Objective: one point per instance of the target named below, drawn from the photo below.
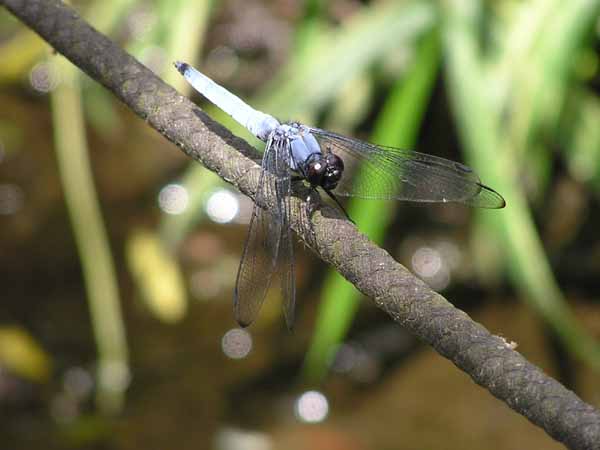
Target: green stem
(91, 239)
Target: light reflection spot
(173, 199)
(44, 77)
(312, 407)
(114, 376)
(222, 206)
(427, 262)
(236, 343)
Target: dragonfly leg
(337, 202)
(310, 207)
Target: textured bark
(485, 357)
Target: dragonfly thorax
(286, 131)
(306, 157)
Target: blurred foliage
(502, 102)
(21, 354)
(92, 241)
(520, 79)
(157, 275)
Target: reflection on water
(236, 343)
(222, 206)
(428, 264)
(44, 77)
(437, 260)
(311, 407)
(173, 199)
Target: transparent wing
(284, 268)
(258, 258)
(392, 173)
(268, 249)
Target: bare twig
(489, 361)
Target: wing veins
(394, 173)
(268, 251)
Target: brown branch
(485, 357)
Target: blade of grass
(541, 82)
(157, 275)
(308, 84)
(538, 78)
(186, 25)
(479, 122)
(92, 241)
(581, 136)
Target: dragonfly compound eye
(334, 168)
(316, 170)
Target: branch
(489, 361)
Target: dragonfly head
(324, 170)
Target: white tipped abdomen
(258, 123)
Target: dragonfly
(294, 151)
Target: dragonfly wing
(260, 251)
(284, 269)
(393, 173)
(286, 275)
(268, 248)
